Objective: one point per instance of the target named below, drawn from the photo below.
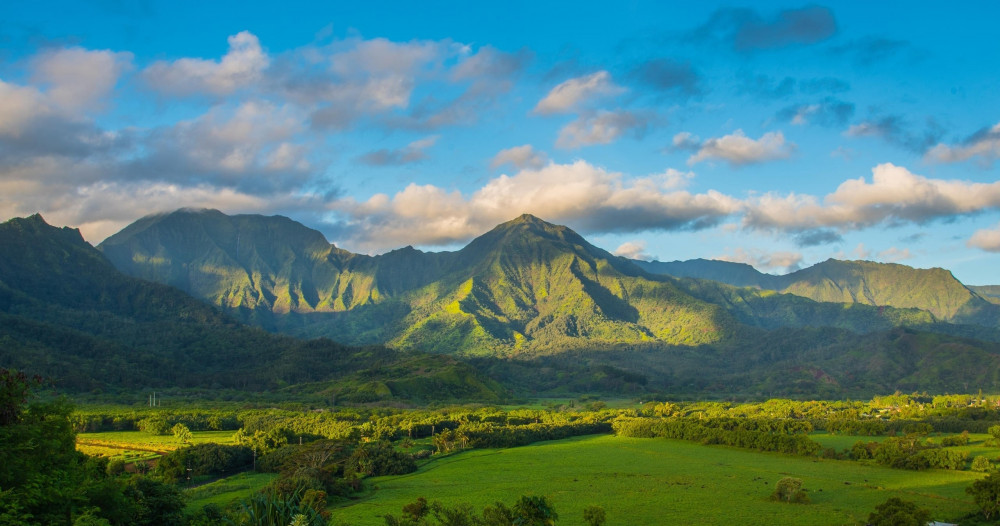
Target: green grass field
(136, 445)
(658, 481)
(224, 491)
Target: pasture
(659, 481)
(222, 492)
(138, 445)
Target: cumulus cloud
(745, 30)
(243, 65)
(894, 196)
(251, 147)
(520, 157)
(19, 105)
(54, 117)
(986, 239)
(78, 78)
(411, 153)
(737, 149)
(984, 146)
(356, 78)
(766, 261)
(257, 141)
(893, 255)
(602, 127)
(584, 196)
(633, 250)
(685, 141)
(860, 252)
(492, 64)
(573, 93)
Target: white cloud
(893, 254)
(521, 157)
(860, 252)
(19, 105)
(69, 83)
(986, 239)
(573, 93)
(242, 66)
(984, 145)
(251, 147)
(602, 127)
(79, 78)
(490, 64)
(686, 141)
(737, 149)
(765, 261)
(633, 250)
(895, 195)
(579, 194)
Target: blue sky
(776, 134)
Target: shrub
(789, 489)
(898, 512)
(981, 464)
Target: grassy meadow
(658, 481)
(138, 445)
(222, 492)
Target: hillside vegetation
(68, 314)
(525, 286)
(935, 291)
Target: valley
(529, 363)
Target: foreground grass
(658, 481)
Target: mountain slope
(67, 313)
(935, 291)
(990, 293)
(525, 286)
(528, 285)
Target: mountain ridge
(95, 328)
(934, 290)
(524, 286)
(67, 313)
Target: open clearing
(137, 445)
(658, 481)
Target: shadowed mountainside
(68, 314)
(935, 291)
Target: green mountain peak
(526, 285)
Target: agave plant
(269, 510)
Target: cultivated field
(659, 481)
(137, 445)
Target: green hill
(935, 291)
(68, 314)
(990, 293)
(525, 286)
(543, 311)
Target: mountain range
(935, 290)
(68, 314)
(529, 305)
